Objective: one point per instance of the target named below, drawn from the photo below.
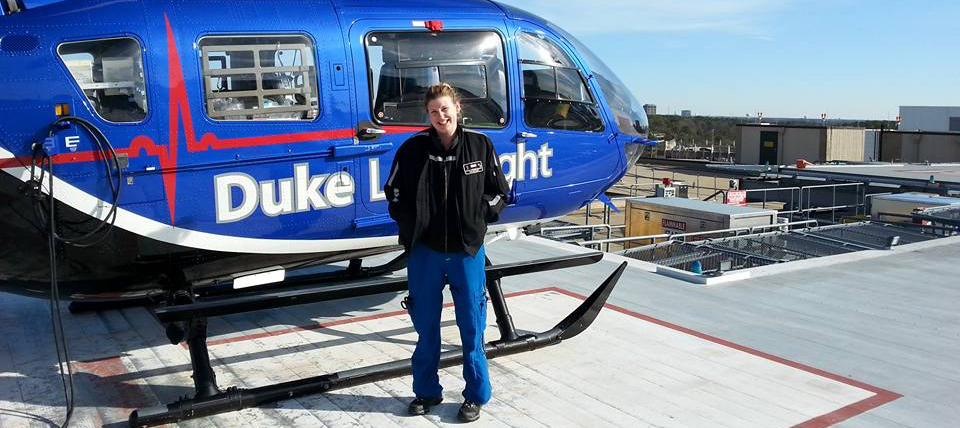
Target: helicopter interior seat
(388, 104)
(481, 111)
(120, 108)
(400, 99)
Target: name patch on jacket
(473, 167)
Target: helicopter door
(561, 131)
(394, 64)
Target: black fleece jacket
(442, 198)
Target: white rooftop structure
(930, 118)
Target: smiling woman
(445, 186)
(443, 107)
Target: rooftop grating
(785, 247)
(747, 251)
(872, 235)
(682, 255)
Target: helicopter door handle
(373, 131)
(370, 133)
(524, 134)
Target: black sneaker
(469, 411)
(420, 406)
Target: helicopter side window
(110, 74)
(555, 94)
(403, 65)
(259, 78)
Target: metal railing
(800, 202)
(801, 197)
(859, 194)
(801, 206)
(683, 236)
(590, 227)
(947, 223)
(764, 192)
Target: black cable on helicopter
(47, 216)
(107, 154)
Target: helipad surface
(804, 349)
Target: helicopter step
(189, 321)
(353, 272)
(149, 298)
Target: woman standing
(444, 187)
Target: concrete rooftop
(870, 341)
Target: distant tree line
(711, 129)
(700, 129)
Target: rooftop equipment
(897, 208)
(654, 216)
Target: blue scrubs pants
(427, 272)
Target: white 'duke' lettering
(300, 193)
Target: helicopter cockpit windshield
(630, 117)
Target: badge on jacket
(472, 167)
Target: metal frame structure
(258, 71)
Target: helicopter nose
(634, 148)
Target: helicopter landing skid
(209, 400)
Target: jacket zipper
(446, 213)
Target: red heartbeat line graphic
(166, 154)
(180, 107)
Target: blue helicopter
(199, 145)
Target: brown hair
(441, 90)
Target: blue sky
(786, 58)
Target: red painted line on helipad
(881, 396)
(102, 373)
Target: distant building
(768, 144)
(930, 118)
(685, 113)
(650, 109)
(918, 146)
